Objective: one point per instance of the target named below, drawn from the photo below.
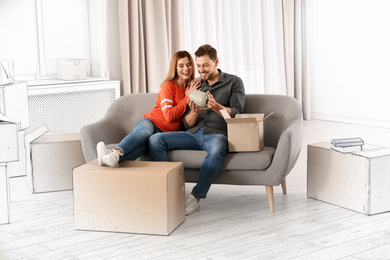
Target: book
(347, 142)
(348, 149)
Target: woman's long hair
(172, 66)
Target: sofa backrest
(287, 111)
(129, 109)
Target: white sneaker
(192, 204)
(111, 159)
(101, 151)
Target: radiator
(66, 108)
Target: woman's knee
(144, 126)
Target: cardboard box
(53, 157)
(136, 197)
(71, 69)
(8, 140)
(8, 153)
(18, 168)
(14, 103)
(245, 132)
(357, 181)
(4, 194)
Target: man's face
(206, 67)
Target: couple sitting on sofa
(159, 130)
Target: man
(206, 128)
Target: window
(62, 33)
(36, 33)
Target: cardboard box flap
(241, 120)
(257, 117)
(244, 118)
(3, 118)
(57, 137)
(224, 113)
(37, 133)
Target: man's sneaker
(192, 204)
(111, 159)
(101, 151)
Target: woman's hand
(195, 84)
(197, 80)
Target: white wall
(350, 47)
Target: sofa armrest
(286, 154)
(102, 130)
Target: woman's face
(184, 68)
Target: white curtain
(296, 17)
(149, 34)
(248, 35)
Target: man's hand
(215, 106)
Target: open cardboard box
(245, 131)
(52, 157)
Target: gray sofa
(268, 167)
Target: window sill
(54, 81)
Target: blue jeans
(135, 144)
(215, 145)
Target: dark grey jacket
(228, 91)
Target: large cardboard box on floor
(53, 157)
(357, 181)
(245, 132)
(136, 197)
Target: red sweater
(170, 107)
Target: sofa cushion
(193, 159)
(232, 161)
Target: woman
(166, 116)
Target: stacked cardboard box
(8, 153)
(14, 105)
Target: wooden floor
(234, 222)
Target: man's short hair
(207, 50)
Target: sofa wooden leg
(284, 186)
(270, 195)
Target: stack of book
(348, 145)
